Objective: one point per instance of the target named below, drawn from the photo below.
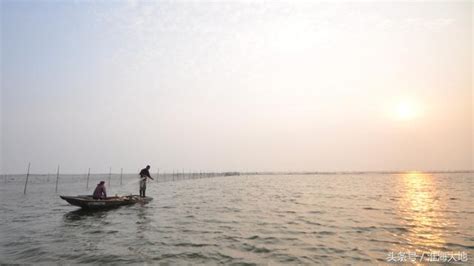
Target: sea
(246, 219)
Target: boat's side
(88, 202)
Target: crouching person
(99, 192)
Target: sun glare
(406, 111)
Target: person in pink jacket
(99, 192)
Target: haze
(243, 86)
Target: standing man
(144, 174)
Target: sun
(406, 111)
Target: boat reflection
(81, 214)
(422, 212)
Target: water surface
(241, 219)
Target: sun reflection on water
(422, 212)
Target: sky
(236, 86)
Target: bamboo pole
(121, 174)
(88, 176)
(110, 174)
(57, 179)
(27, 176)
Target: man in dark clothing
(144, 174)
(99, 192)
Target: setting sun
(406, 111)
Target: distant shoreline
(236, 173)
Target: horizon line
(268, 172)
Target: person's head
(101, 183)
(148, 167)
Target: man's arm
(148, 175)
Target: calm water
(329, 219)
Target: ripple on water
(370, 209)
(265, 240)
(364, 228)
(253, 248)
(311, 222)
(323, 233)
(194, 245)
(397, 230)
(317, 212)
(459, 246)
(286, 258)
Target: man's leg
(141, 188)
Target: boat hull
(87, 202)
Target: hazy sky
(236, 86)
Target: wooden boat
(87, 202)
